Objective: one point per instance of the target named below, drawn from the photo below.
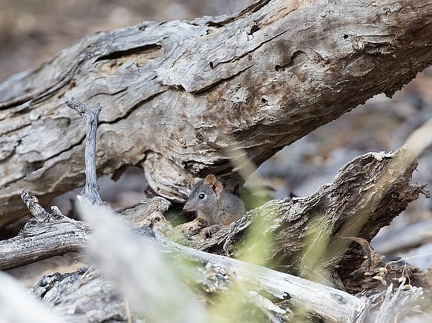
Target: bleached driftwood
(181, 93)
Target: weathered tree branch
(366, 195)
(91, 188)
(277, 284)
(45, 235)
(181, 92)
(209, 273)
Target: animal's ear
(217, 187)
(212, 182)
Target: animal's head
(204, 195)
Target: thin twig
(91, 188)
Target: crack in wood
(130, 52)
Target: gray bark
(178, 95)
(91, 188)
(45, 235)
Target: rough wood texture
(45, 235)
(99, 301)
(81, 296)
(91, 188)
(366, 195)
(133, 273)
(176, 94)
(377, 175)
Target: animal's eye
(201, 196)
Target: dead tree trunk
(180, 93)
